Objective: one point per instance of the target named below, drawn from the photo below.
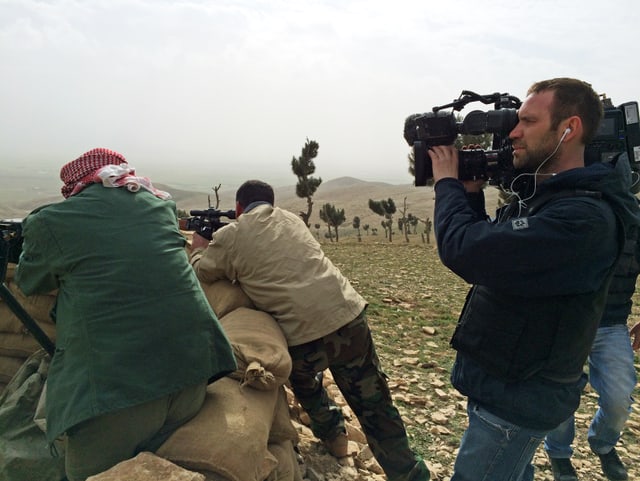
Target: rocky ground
(414, 304)
(318, 465)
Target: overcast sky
(220, 91)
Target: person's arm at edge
(634, 332)
(34, 273)
(208, 259)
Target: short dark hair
(254, 191)
(572, 97)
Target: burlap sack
(16, 342)
(24, 452)
(9, 367)
(260, 348)
(224, 297)
(282, 428)
(38, 306)
(11, 269)
(9, 322)
(229, 435)
(24, 344)
(287, 468)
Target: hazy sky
(221, 91)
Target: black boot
(563, 469)
(612, 467)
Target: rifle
(206, 222)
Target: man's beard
(544, 153)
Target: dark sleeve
(566, 248)
(35, 271)
(477, 203)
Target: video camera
(206, 222)
(422, 131)
(619, 132)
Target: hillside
(346, 193)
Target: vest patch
(520, 223)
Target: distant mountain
(346, 193)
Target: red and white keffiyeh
(106, 167)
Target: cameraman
(136, 340)
(540, 274)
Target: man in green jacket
(136, 340)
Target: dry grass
(414, 302)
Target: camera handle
(500, 100)
(16, 308)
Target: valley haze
(21, 192)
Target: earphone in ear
(564, 134)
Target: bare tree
(427, 229)
(215, 189)
(403, 222)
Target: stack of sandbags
(225, 296)
(260, 348)
(243, 431)
(264, 364)
(16, 342)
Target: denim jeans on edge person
(613, 376)
(493, 449)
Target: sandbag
(11, 323)
(224, 297)
(260, 348)
(11, 269)
(16, 342)
(282, 428)
(38, 306)
(24, 344)
(24, 452)
(287, 468)
(228, 436)
(9, 367)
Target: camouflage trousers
(349, 353)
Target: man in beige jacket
(282, 268)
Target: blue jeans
(493, 449)
(613, 376)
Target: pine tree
(303, 167)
